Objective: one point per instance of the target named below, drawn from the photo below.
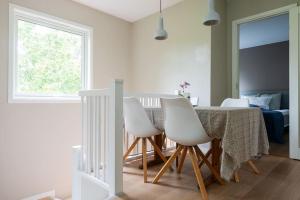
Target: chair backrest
(182, 123)
(235, 103)
(136, 119)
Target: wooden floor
(280, 180)
(280, 149)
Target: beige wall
(237, 9)
(160, 66)
(36, 139)
(219, 57)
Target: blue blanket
(274, 121)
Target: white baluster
(97, 138)
(88, 139)
(105, 136)
(93, 141)
(83, 117)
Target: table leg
(216, 153)
(158, 139)
(177, 157)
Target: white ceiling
(129, 10)
(266, 31)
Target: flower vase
(186, 95)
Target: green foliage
(49, 61)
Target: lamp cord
(160, 7)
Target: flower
(184, 85)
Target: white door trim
(294, 71)
(294, 84)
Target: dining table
(238, 134)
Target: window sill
(49, 100)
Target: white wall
(160, 66)
(36, 139)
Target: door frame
(293, 11)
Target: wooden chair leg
(198, 155)
(164, 141)
(131, 148)
(168, 164)
(253, 167)
(236, 176)
(211, 168)
(182, 158)
(158, 151)
(206, 156)
(177, 156)
(144, 149)
(198, 174)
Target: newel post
(115, 139)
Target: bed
(276, 120)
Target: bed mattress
(285, 113)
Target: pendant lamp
(161, 33)
(212, 18)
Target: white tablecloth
(242, 131)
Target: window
(49, 57)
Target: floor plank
(281, 149)
(280, 179)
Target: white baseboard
(50, 194)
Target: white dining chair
(183, 126)
(138, 124)
(229, 102)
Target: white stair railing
(98, 161)
(102, 137)
(150, 100)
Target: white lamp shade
(161, 33)
(212, 17)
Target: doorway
(259, 43)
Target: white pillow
(275, 101)
(247, 96)
(263, 102)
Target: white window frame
(20, 13)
